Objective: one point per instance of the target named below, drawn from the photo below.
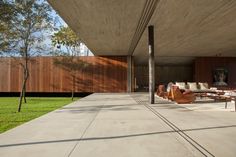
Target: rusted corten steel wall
(98, 74)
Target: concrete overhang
(183, 28)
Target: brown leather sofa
(182, 97)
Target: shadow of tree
(115, 137)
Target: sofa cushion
(203, 86)
(181, 85)
(192, 86)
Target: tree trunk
(20, 99)
(23, 89)
(22, 93)
(72, 95)
(26, 73)
(73, 87)
(25, 65)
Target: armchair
(182, 98)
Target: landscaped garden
(35, 107)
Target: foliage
(34, 108)
(7, 16)
(27, 22)
(66, 37)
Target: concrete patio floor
(105, 125)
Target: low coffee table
(224, 96)
(232, 96)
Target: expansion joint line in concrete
(191, 141)
(82, 136)
(145, 17)
(186, 137)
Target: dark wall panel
(204, 67)
(164, 74)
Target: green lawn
(35, 107)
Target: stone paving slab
(105, 125)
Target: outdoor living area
(180, 93)
(200, 81)
(198, 95)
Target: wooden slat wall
(102, 74)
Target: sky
(59, 22)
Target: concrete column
(151, 65)
(129, 74)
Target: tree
(22, 31)
(67, 38)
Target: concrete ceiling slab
(160, 60)
(193, 28)
(105, 26)
(183, 28)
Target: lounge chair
(182, 97)
(161, 91)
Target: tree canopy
(66, 37)
(23, 26)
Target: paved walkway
(123, 125)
